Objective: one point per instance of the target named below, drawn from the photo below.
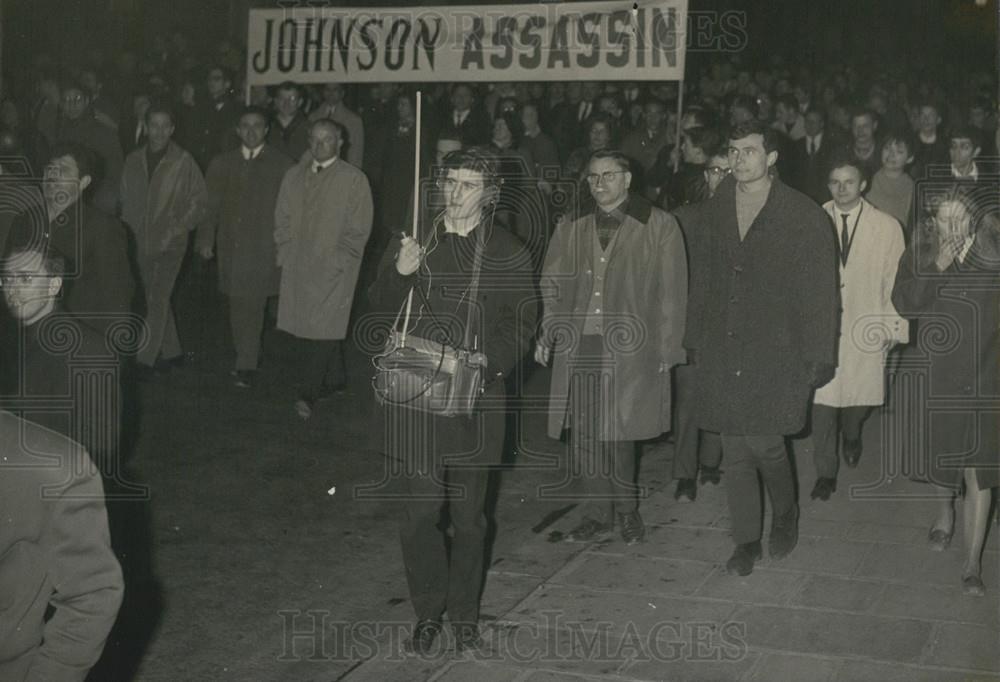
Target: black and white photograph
(499, 341)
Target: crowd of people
(736, 267)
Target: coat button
(730, 334)
(739, 372)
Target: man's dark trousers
(824, 433)
(691, 445)
(745, 457)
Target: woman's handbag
(427, 376)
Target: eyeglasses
(449, 185)
(73, 99)
(606, 176)
(718, 170)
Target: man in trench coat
(322, 222)
(870, 244)
(243, 189)
(614, 287)
(761, 333)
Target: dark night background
(865, 31)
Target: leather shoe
(686, 490)
(823, 488)
(972, 586)
(711, 475)
(425, 633)
(939, 540)
(784, 534)
(633, 529)
(852, 452)
(588, 530)
(743, 558)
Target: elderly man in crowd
(322, 222)
(333, 108)
(163, 198)
(243, 189)
(618, 272)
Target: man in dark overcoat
(98, 284)
(243, 189)
(761, 332)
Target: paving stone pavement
(860, 598)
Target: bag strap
(473, 302)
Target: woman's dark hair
(514, 125)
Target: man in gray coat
(322, 222)
(614, 285)
(761, 332)
(243, 189)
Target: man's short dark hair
(600, 117)
(818, 111)
(83, 157)
(757, 127)
(253, 110)
(898, 136)
(863, 111)
(708, 140)
(842, 159)
(966, 132)
(289, 85)
(745, 102)
(703, 117)
(69, 83)
(618, 157)
(227, 75)
(159, 106)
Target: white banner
(541, 42)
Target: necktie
(584, 111)
(845, 241)
(810, 146)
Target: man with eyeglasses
(761, 333)
(323, 218)
(290, 132)
(614, 288)
(63, 387)
(78, 124)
